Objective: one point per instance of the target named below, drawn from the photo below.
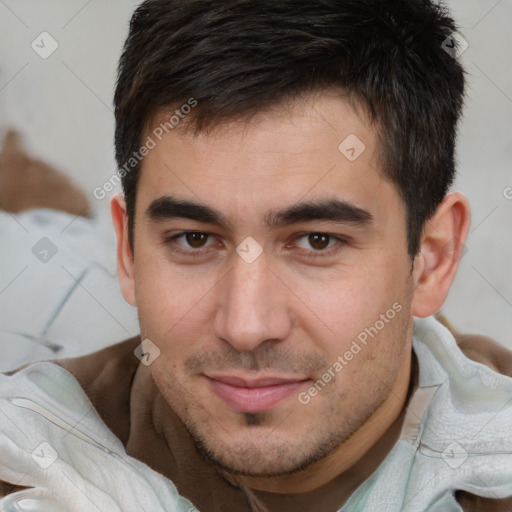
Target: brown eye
(317, 245)
(193, 243)
(318, 241)
(196, 239)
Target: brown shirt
(120, 390)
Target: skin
(295, 309)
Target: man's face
(273, 359)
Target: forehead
(310, 148)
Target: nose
(252, 306)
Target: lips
(253, 395)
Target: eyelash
(170, 241)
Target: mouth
(253, 395)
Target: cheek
(367, 318)
(353, 299)
(176, 309)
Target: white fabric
(44, 404)
(457, 435)
(458, 439)
(63, 302)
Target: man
(286, 234)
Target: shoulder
(482, 349)
(492, 354)
(7, 488)
(485, 350)
(471, 503)
(114, 360)
(106, 377)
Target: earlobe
(441, 249)
(125, 263)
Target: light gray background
(63, 107)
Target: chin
(260, 455)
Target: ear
(125, 263)
(442, 247)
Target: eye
(320, 244)
(192, 240)
(196, 243)
(195, 239)
(318, 241)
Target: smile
(254, 395)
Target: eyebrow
(332, 210)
